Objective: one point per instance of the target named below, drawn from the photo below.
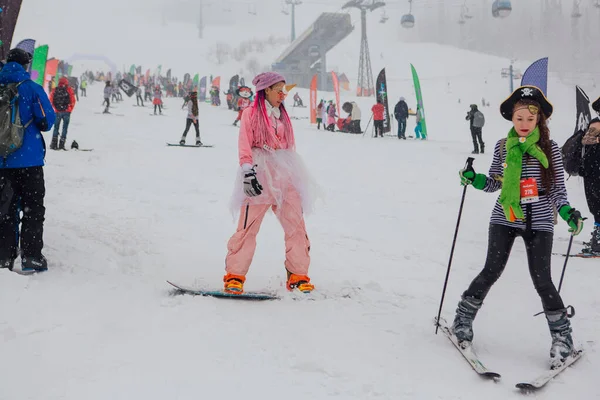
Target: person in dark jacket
(23, 170)
(63, 100)
(476, 121)
(401, 115)
(591, 181)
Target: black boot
(8, 263)
(61, 144)
(463, 321)
(593, 247)
(482, 148)
(560, 330)
(34, 264)
(54, 143)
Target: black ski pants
(138, 99)
(476, 135)
(538, 245)
(188, 124)
(29, 192)
(378, 124)
(592, 195)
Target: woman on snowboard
(272, 176)
(192, 118)
(527, 168)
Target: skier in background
(83, 88)
(157, 100)
(63, 100)
(320, 114)
(476, 122)
(107, 93)
(378, 110)
(401, 115)
(138, 97)
(418, 127)
(192, 118)
(526, 158)
(244, 93)
(590, 172)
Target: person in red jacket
(244, 93)
(63, 101)
(378, 110)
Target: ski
(468, 353)
(547, 376)
(579, 255)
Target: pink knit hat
(266, 79)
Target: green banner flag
(420, 107)
(38, 65)
(132, 70)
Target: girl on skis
(192, 118)
(272, 176)
(527, 167)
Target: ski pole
(367, 127)
(562, 275)
(469, 166)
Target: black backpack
(11, 128)
(61, 100)
(572, 154)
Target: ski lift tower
(293, 3)
(365, 86)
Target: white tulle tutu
(280, 172)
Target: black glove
(251, 186)
(41, 123)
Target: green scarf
(510, 197)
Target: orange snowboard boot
(234, 284)
(300, 282)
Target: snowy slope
(132, 213)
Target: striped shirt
(543, 211)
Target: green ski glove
(469, 177)
(573, 218)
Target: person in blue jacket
(23, 170)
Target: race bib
(529, 191)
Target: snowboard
(188, 145)
(579, 255)
(256, 296)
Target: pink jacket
(247, 138)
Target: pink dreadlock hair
(260, 124)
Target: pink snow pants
(242, 244)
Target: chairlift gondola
(501, 8)
(251, 9)
(464, 11)
(284, 9)
(597, 3)
(408, 20)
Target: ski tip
(527, 387)
(492, 375)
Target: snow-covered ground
(123, 218)
(132, 213)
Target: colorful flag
(382, 95)
(537, 75)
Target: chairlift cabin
(408, 20)
(501, 8)
(597, 3)
(284, 9)
(464, 12)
